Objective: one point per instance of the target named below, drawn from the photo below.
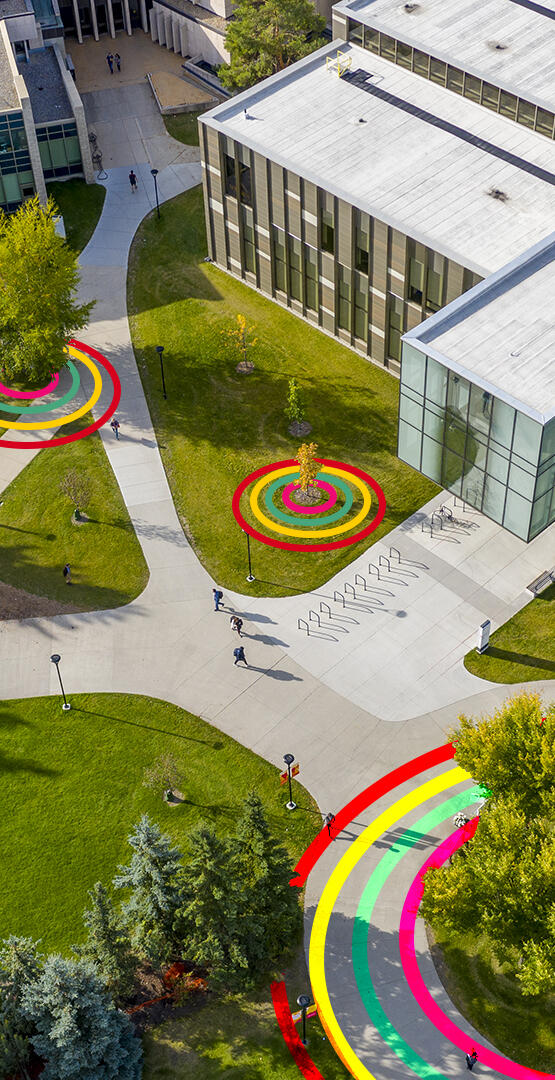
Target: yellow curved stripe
(329, 897)
(309, 533)
(74, 415)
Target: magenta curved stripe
(299, 509)
(30, 393)
(415, 981)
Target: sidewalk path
(328, 701)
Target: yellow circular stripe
(309, 533)
(60, 421)
(328, 899)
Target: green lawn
(216, 426)
(72, 789)
(523, 649)
(37, 536)
(81, 206)
(238, 1037)
(522, 1028)
(184, 127)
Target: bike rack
(359, 580)
(346, 588)
(316, 618)
(384, 561)
(436, 514)
(372, 568)
(304, 626)
(395, 551)
(424, 523)
(337, 596)
(325, 607)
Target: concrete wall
(187, 37)
(79, 114)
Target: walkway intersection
(377, 683)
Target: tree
(152, 878)
(164, 775)
(38, 279)
(241, 336)
(78, 1030)
(267, 35)
(308, 467)
(77, 488)
(108, 946)
(295, 408)
(20, 965)
(208, 919)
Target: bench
(543, 581)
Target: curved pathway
(298, 695)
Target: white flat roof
(466, 33)
(501, 334)
(428, 182)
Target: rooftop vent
(496, 193)
(358, 120)
(411, 7)
(497, 45)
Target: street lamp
(303, 1001)
(250, 575)
(289, 759)
(160, 350)
(55, 658)
(154, 174)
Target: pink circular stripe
(412, 972)
(309, 509)
(30, 393)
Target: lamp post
(250, 575)
(303, 1001)
(55, 658)
(154, 174)
(289, 759)
(160, 350)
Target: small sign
(483, 636)
(295, 770)
(283, 777)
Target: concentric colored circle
(298, 508)
(297, 520)
(94, 360)
(57, 404)
(337, 469)
(30, 393)
(61, 421)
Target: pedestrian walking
(471, 1059)
(218, 597)
(239, 654)
(114, 424)
(133, 181)
(67, 573)
(110, 62)
(328, 821)
(117, 58)
(236, 624)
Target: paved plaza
(377, 681)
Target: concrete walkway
(301, 695)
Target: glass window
(438, 71)
(371, 39)
(455, 80)
(19, 140)
(327, 231)
(543, 513)
(502, 423)
(362, 243)
(452, 471)
(404, 55)
(434, 282)
(458, 393)
(546, 481)
(73, 150)
(498, 466)
(526, 114)
(517, 514)
(490, 96)
(395, 328)
(356, 33)
(544, 122)
(420, 63)
(410, 441)
(527, 438)
(494, 499)
(548, 442)
(245, 184)
(473, 487)
(361, 323)
(415, 280)
(507, 104)
(410, 411)
(472, 87)
(387, 47)
(44, 151)
(431, 459)
(280, 272)
(479, 411)
(521, 481)
(295, 263)
(436, 381)
(414, 368)
(344, 298)
(434, 424)
(311, 278)
(230, 183)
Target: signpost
(286, 776)
(483, 636)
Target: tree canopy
(38, 279)
(152, 878)
(264, 36)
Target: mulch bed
(18, 604)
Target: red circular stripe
(285, 545)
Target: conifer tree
(19, 966)
(152, 878)
(108, 946)
(208, 920)
(78, 1030)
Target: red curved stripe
(365, 798)
(292, 1040)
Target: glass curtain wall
(59, 150)
(474, 444)
(16, 176)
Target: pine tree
(265, 36)
(78, 1030)
(107, 946)
(152, 878)
(208, 920)
(19, 967)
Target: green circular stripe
(69, 396)
(363, 916)
(291, 519)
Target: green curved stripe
(69, 396)
(363, 916)
(291, 519)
